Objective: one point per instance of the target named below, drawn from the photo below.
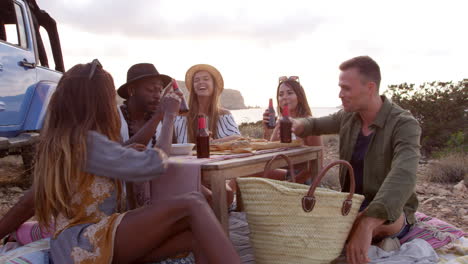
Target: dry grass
(333, 139)
(451, 168)
(332, 180)
(253, 130)
(12, 172)
(330, 144)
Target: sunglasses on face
(290, 78)
(94, 64)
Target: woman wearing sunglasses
(289, 92)
(78, 172)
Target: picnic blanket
(417, 251)
(32, 253)
(435, 231)
(454, 253)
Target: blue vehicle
(26, 80)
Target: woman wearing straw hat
(205, 85)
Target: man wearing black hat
(141, 115)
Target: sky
(254, 42)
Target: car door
(17, 65)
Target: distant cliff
(230, 99)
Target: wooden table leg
(320, 161)
(316, 165)
(218, 188)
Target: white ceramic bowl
(182, 149)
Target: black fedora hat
(138, 72)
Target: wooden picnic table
(216, 173)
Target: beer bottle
(203, 139)
(285, 126)
(183, 104)
(271, 115)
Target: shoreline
(253, 115)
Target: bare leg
(143, 231)
(302, 176)
(384, 231)
(232, 184)
(276, 174)
(18, 214)
(209, 194)
(181, 243)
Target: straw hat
(217, 78)
(141, 71)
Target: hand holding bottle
(285, 126)
(297, 127)
(266, 120)
(203, 139)
(170, 103)
(183, 104)
(269, 120)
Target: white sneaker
(389, 244)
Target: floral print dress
(88, 236)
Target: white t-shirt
(124, 129)
(227, 126)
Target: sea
(256, 114)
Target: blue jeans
(403, 231)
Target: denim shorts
(403, 231)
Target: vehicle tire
(4, 145)
(27, 154)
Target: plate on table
(182, 149)
(246, 145)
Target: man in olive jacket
(381, 141)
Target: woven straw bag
(292, 223)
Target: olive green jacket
(391, 160)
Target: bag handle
(308, 201)
(290, 165)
